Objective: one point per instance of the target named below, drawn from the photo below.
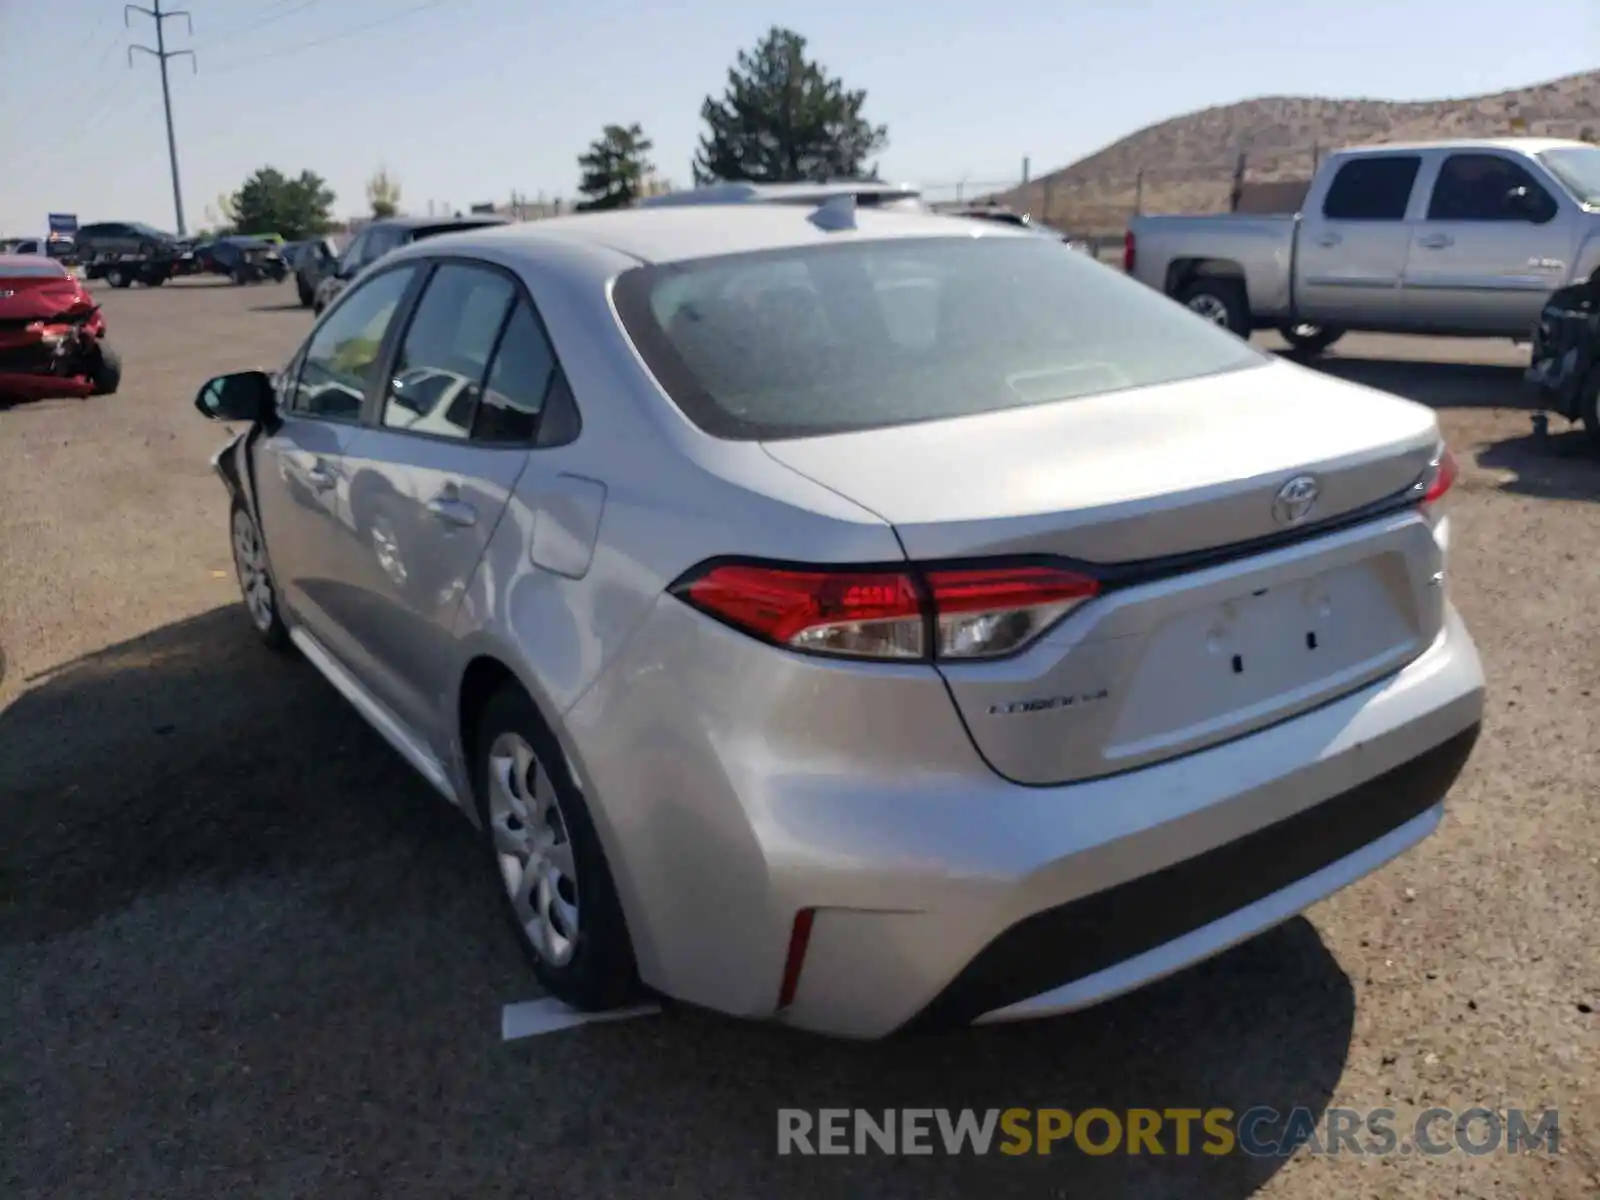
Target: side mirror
(242, 396)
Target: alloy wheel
(250, 562)
(529, 836)
(1210, 307)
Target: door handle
(1436, 241)
(320, 477)
(1329, 239)
(453, 511)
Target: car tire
(556, 887)
(105, 370)
(256, 586)
(1589, 408)
(306, 298)
(1308, 341)
(1220, 300)
(118, 278)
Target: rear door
(1490, 248)
(432, 474)
(1352, 248)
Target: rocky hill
(1188, 161)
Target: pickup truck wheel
(117, 277)
(1309, 340)
(1589, 408)
(1220, 301)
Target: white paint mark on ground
(529, 1018)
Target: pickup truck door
(1353, 242)
(1493, 245)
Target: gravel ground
(246, 953)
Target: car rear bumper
(942, 894)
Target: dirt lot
(248, 954)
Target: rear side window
(518, 382)
(439, 371)
(1372, 189)
(863, 335)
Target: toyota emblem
(1295, 500)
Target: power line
(352, 31)
(161, 54)
(276, 13)
(96, 112)
(92, 34)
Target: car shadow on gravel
(256, 955)
(1436, 384)
(288, 306)
(1558, 465)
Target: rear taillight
(901, 614)
(1129, 251)
(1438, 478)
(862, 614)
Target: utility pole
(161, 54)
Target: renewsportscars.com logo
(1260, 1132)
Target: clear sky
(466, 100)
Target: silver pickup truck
(1455, 238)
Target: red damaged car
(52, 334)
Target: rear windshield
(869, 334)
(40, 268)
(426, 231)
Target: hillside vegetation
(1188, 161)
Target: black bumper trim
(1075, 940)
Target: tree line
(782, 118)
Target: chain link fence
(1098, 209)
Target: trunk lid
(1195, 641)
(45, 294)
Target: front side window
(343, 354)
(359, 252)
(838, 338)
(444, 357)
(1487, 187)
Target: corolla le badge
(1295, 500)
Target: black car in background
(382, 236)
(106, 239)
(312, 262)
(241, 259)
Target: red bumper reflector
(799, 939)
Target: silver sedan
(860, 619)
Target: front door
(1490, 250)
(302, 484)
(431, 478)
(1352, 252)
